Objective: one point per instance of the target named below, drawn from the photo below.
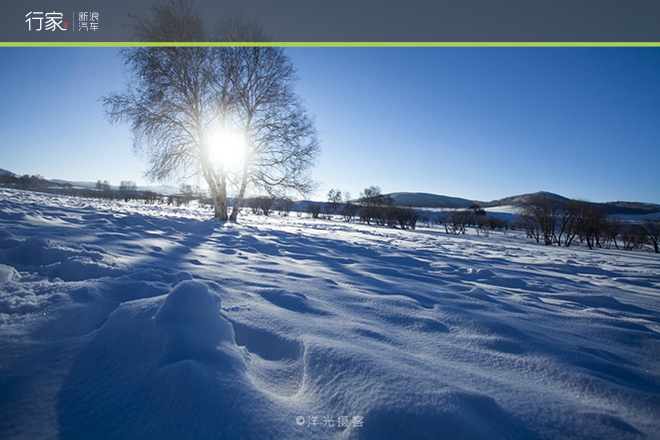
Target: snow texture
(122, 320)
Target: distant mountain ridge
(426, 200)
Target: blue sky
(479, 123)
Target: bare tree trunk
(238, 201)
(220, 201)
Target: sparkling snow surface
(126, 321)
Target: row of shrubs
(552, 221)
(544, 219)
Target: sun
(227, 148)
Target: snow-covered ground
(125, 321)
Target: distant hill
(611, 208)
(521, 199)
(630, 208)
(426, 200)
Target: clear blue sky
(479, 123)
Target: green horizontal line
(329, 44)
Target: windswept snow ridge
(134, 321)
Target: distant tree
(425, 218)
(592, 225)
(528, 223)
(459, 220)
(187, 193)
(36, 182)
(496, 223)
(477, 210)
(266, 203)
(369, 201)
(442, 219)
(348, 211)
(314, 209)
(254, 205)
(543, 211)
(406, 217)
(69, 190)
(632, 236)
(103, 189)
(376, 207)
(371, 196)
(150, 197)
(127, 190)
(650, 228)
(284, 206)
(26, 181)
(611, 229)
(482, 225)
(334, 200)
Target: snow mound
(194, 327)
(165, 367)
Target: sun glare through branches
(227, 149)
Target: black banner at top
(352, 20)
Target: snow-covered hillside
(132, 321)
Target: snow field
(134, 321)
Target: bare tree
(592, 225)
(497, 223)
(458, 220)
(477, 210)
(183, 101)
(150, 197)
(632, 236)
(127, 190)
(187, 193)
(543, 211)
(175, 96)
(348, 210)
(371, 196)
(284, 206)
(103, 189)
(651, 230)
(527, 222)
(612, 228)
(442, 219)
(334, 199)
(425, 218)
(574, 220)
(280, 138)
(314, 209)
